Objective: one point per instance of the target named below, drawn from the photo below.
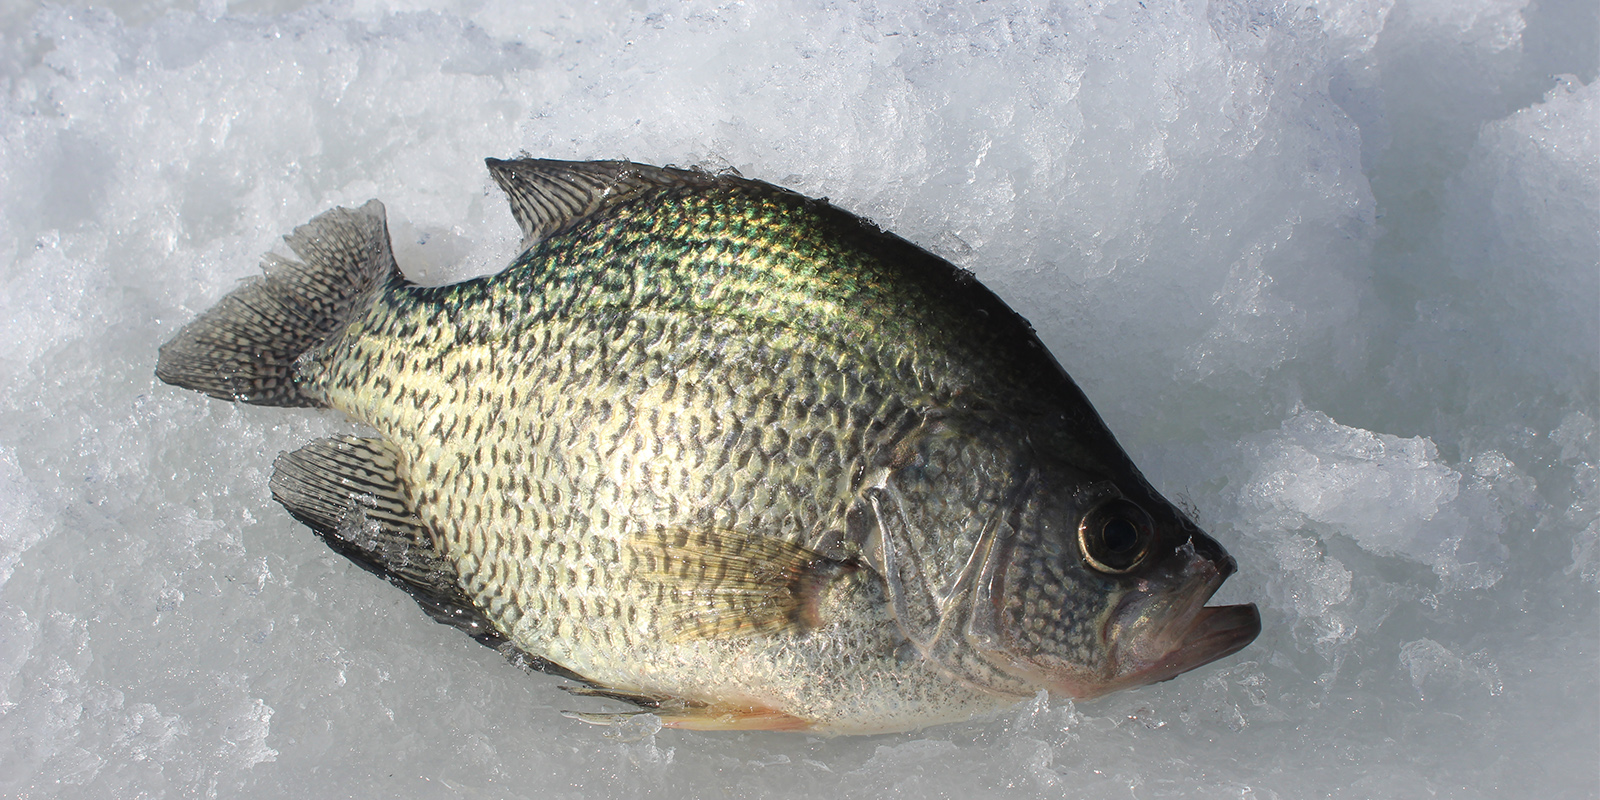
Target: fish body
(724, 451)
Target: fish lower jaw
(1212, 633)
(1152, 640)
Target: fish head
(1014, 571)
(1105, 587)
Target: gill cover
(941, 532)
(1013, 572)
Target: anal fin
(732, 718)
(690, 715)
(348, 490)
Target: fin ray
(245, 348)
(347, 489)
(546, 195)
(716, 583)
(685, 714)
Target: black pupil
(1119, 535)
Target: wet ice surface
(1329, 269)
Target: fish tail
(247, 347)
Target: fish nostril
(1209, 549)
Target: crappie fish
(723, 451)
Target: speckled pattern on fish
(724, 451)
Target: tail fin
(246, 346)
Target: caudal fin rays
(246, 347)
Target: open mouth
(1215, 632)
(1155, 637)
(1157, 641)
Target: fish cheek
(1053, 610)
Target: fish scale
(561, 390)
(724, 451)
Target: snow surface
(1329, 268)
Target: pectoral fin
(711, 583)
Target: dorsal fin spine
(547, 195)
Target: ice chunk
(1586, 551)
(1576, 437)
(1580, 447)
(1523, 227)
(17, 637)
(1494, 24)
(244, 743)
(22, 522)
(1311, 584)
(1391, 495)
(1433, 667)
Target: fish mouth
(1157, 639)
(1159, 629)
(1214, 632)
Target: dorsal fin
(546, 195)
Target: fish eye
(1115, 536)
